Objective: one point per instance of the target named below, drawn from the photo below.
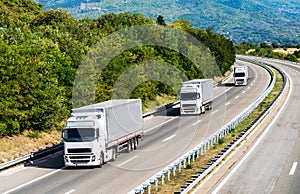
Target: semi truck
(196, 96)
(97, 133)
(240, 74)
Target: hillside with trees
(41, 51)
(240, 20)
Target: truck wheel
(114, 154)
(133, 147)
(101, 160)
(202, 109)
(129, 148)
(135, 143)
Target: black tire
(114, 154)
(135, 143)
(202, 109)
(101, 160)
(129, 148)
(133, 147)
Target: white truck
(196, 96)
(240, 74)
(96, 133)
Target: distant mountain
(240, 20)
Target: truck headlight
(66, 159)
(93, 158)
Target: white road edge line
(218, 188)
(71, 191)
(12, 171)
(167, 139)
(293, 169)
(34, 180)
(134, 157)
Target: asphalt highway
(272, 165)
(167, 137)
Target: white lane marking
(134, 157)
(12, 171)
(167, 139)
(214, 112)
(71, 191)
(251, 84)
(243, 92)
(197, 122)
(236, 97)
(34, 180)
(292, 171)
(248, 88)
(228, 103)
(225, 180)
(160, 124)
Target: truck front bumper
(81, 160)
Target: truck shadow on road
(52, 161)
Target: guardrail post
(148, 186)
(189, 159)
(174, 171)
(179, 167)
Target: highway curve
(167, 137)
(272, 165)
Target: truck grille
(79, 150)
(80, 159)
(188, 105)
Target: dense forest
(41, 51)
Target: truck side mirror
(62, 135)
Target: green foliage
(189, 166)
(241, 20)
(41, 52)
(267, 50)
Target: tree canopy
(41, 51)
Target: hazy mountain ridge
(241, 20)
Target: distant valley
(239, 20)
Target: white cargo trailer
(240, 74)
(96, 133)
(196, 96)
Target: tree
(160, 20)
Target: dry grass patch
(30, 141)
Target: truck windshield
(239, 75)
(79, 134)
(189, 96)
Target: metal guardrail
(202, 147)
(33, 155)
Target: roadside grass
(186, 174)
(15, 146)
(158, 102)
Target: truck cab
(240, 75)
(196, 96)
(83, 140)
